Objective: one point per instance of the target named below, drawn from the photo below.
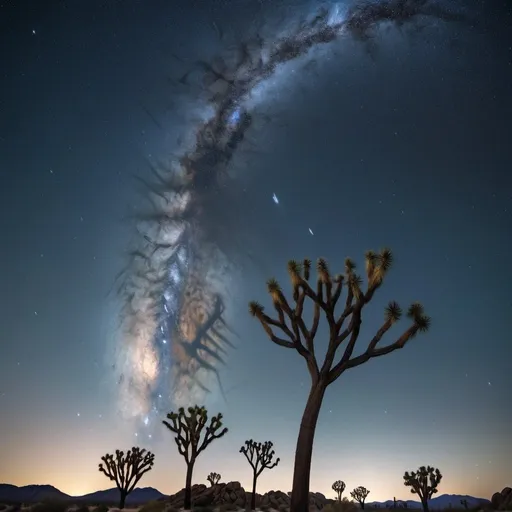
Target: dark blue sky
(406, 146)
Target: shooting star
(275, 198)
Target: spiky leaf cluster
(126, 469)
(188, 426)
(259, 455)
(423, 482)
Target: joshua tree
(126, 470)
(188, 425)
(344, 326)
(424, 483)
(338, 487)
(464, 503)
(213, 478)
(260, 457)
(360, 494)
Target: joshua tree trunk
(362, 505)
(304, 450)
(122, 499)
(187, 505)
(424, 504)
(253, 497)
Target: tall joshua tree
(126, 470)
(188, 426)
(260, 457)
(213, 478)
(338, 487)
(424, 483)
(360, 494)
(289, 329)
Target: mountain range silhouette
(37, 493)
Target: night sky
(405, 142)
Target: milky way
(180, 281)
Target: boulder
(502, 500)
(232, 493)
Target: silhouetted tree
(424, 483)
(338, 487)
(360, 494)
(464, 503)
(213, 478)
(343, 326)
(188, 425)
(126, 470)
(260, 457)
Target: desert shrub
(50, 506)
(265, 508)
(100, 508)
(228, 507)
(283, 507)
(203, 509)
(153, 506)
(82, 508)
(341, 506)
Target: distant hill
(138, 496)
(36, 493)
(439, 502)
(30, 493)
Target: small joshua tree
(260, 457)
(126, 470)
(424, 483)
(360, 494)
(290, 329)
(213, 478)
(188, 426)
(338, 487)
(464, 503)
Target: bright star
(275, 199)
(311, 231)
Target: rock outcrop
(502, 500)
(234, 494)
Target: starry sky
(404, 144)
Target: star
(275, 198)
